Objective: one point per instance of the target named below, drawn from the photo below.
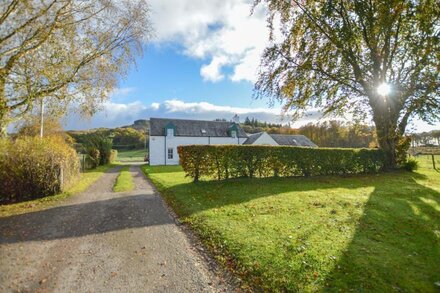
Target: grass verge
(124, 182)
(363, 233)
(86, 179)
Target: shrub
(98, 149)
(31, 167)
(113, 156)
(232, 161)
(410, 165)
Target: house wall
(159, 145)
(265, 139)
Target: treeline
(263, 124)
(339, 134)
(430, 138)
(333, 133)
(122, 138)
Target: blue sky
(201, 64)
(166, 73)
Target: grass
(132, 156)
(124, 182)
(375, 233)
(86, 179)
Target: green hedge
(233, 161)
(31, 167)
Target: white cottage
(167, 134)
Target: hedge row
(31, 167)
(233, 161)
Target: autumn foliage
(233, 161)
(31, 167)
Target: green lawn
(376, 233)
(86, 179)
(132, 156)
(124, 182)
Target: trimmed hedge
(233, 161)
(31, 167)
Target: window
(234, 133)
(170, 153)
(203, 131)
(170, 132)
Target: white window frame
(233, 133)
(170, 155)
(170, 132)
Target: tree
(65, 51)
(335, 54)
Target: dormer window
(233, 133)
(203, 131)
(170, 130)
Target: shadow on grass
(396, 245)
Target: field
(132, 156)
(361, 233)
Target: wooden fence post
(433, 162)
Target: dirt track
(101, 241)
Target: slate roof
(194, 128)
(292, 140)
(253, 137)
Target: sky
(201, 64)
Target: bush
(31, 167)
(113, 156)
(410, 165)
(232, 161)
(98, 149)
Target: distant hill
(140, 125)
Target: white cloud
(212, 71)
(122, 92)
(120, 114)
(222, 32)
(155, 106)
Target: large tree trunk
(387, 139)
(385, 118)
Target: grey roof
(194, 127)
(292, 140)
(253, 137)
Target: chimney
(236, 119)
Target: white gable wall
(158, 148)
(265, 139)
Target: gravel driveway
(101, 241)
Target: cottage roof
(292, 140)
(194, 128)
(253, 137)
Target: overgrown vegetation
(362, 233)
(85, 180)
(98, 149)
(124, 182)
(31, 167)
(232, 161)
(123, 138)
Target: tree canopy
(65, 51)
(334, 54)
